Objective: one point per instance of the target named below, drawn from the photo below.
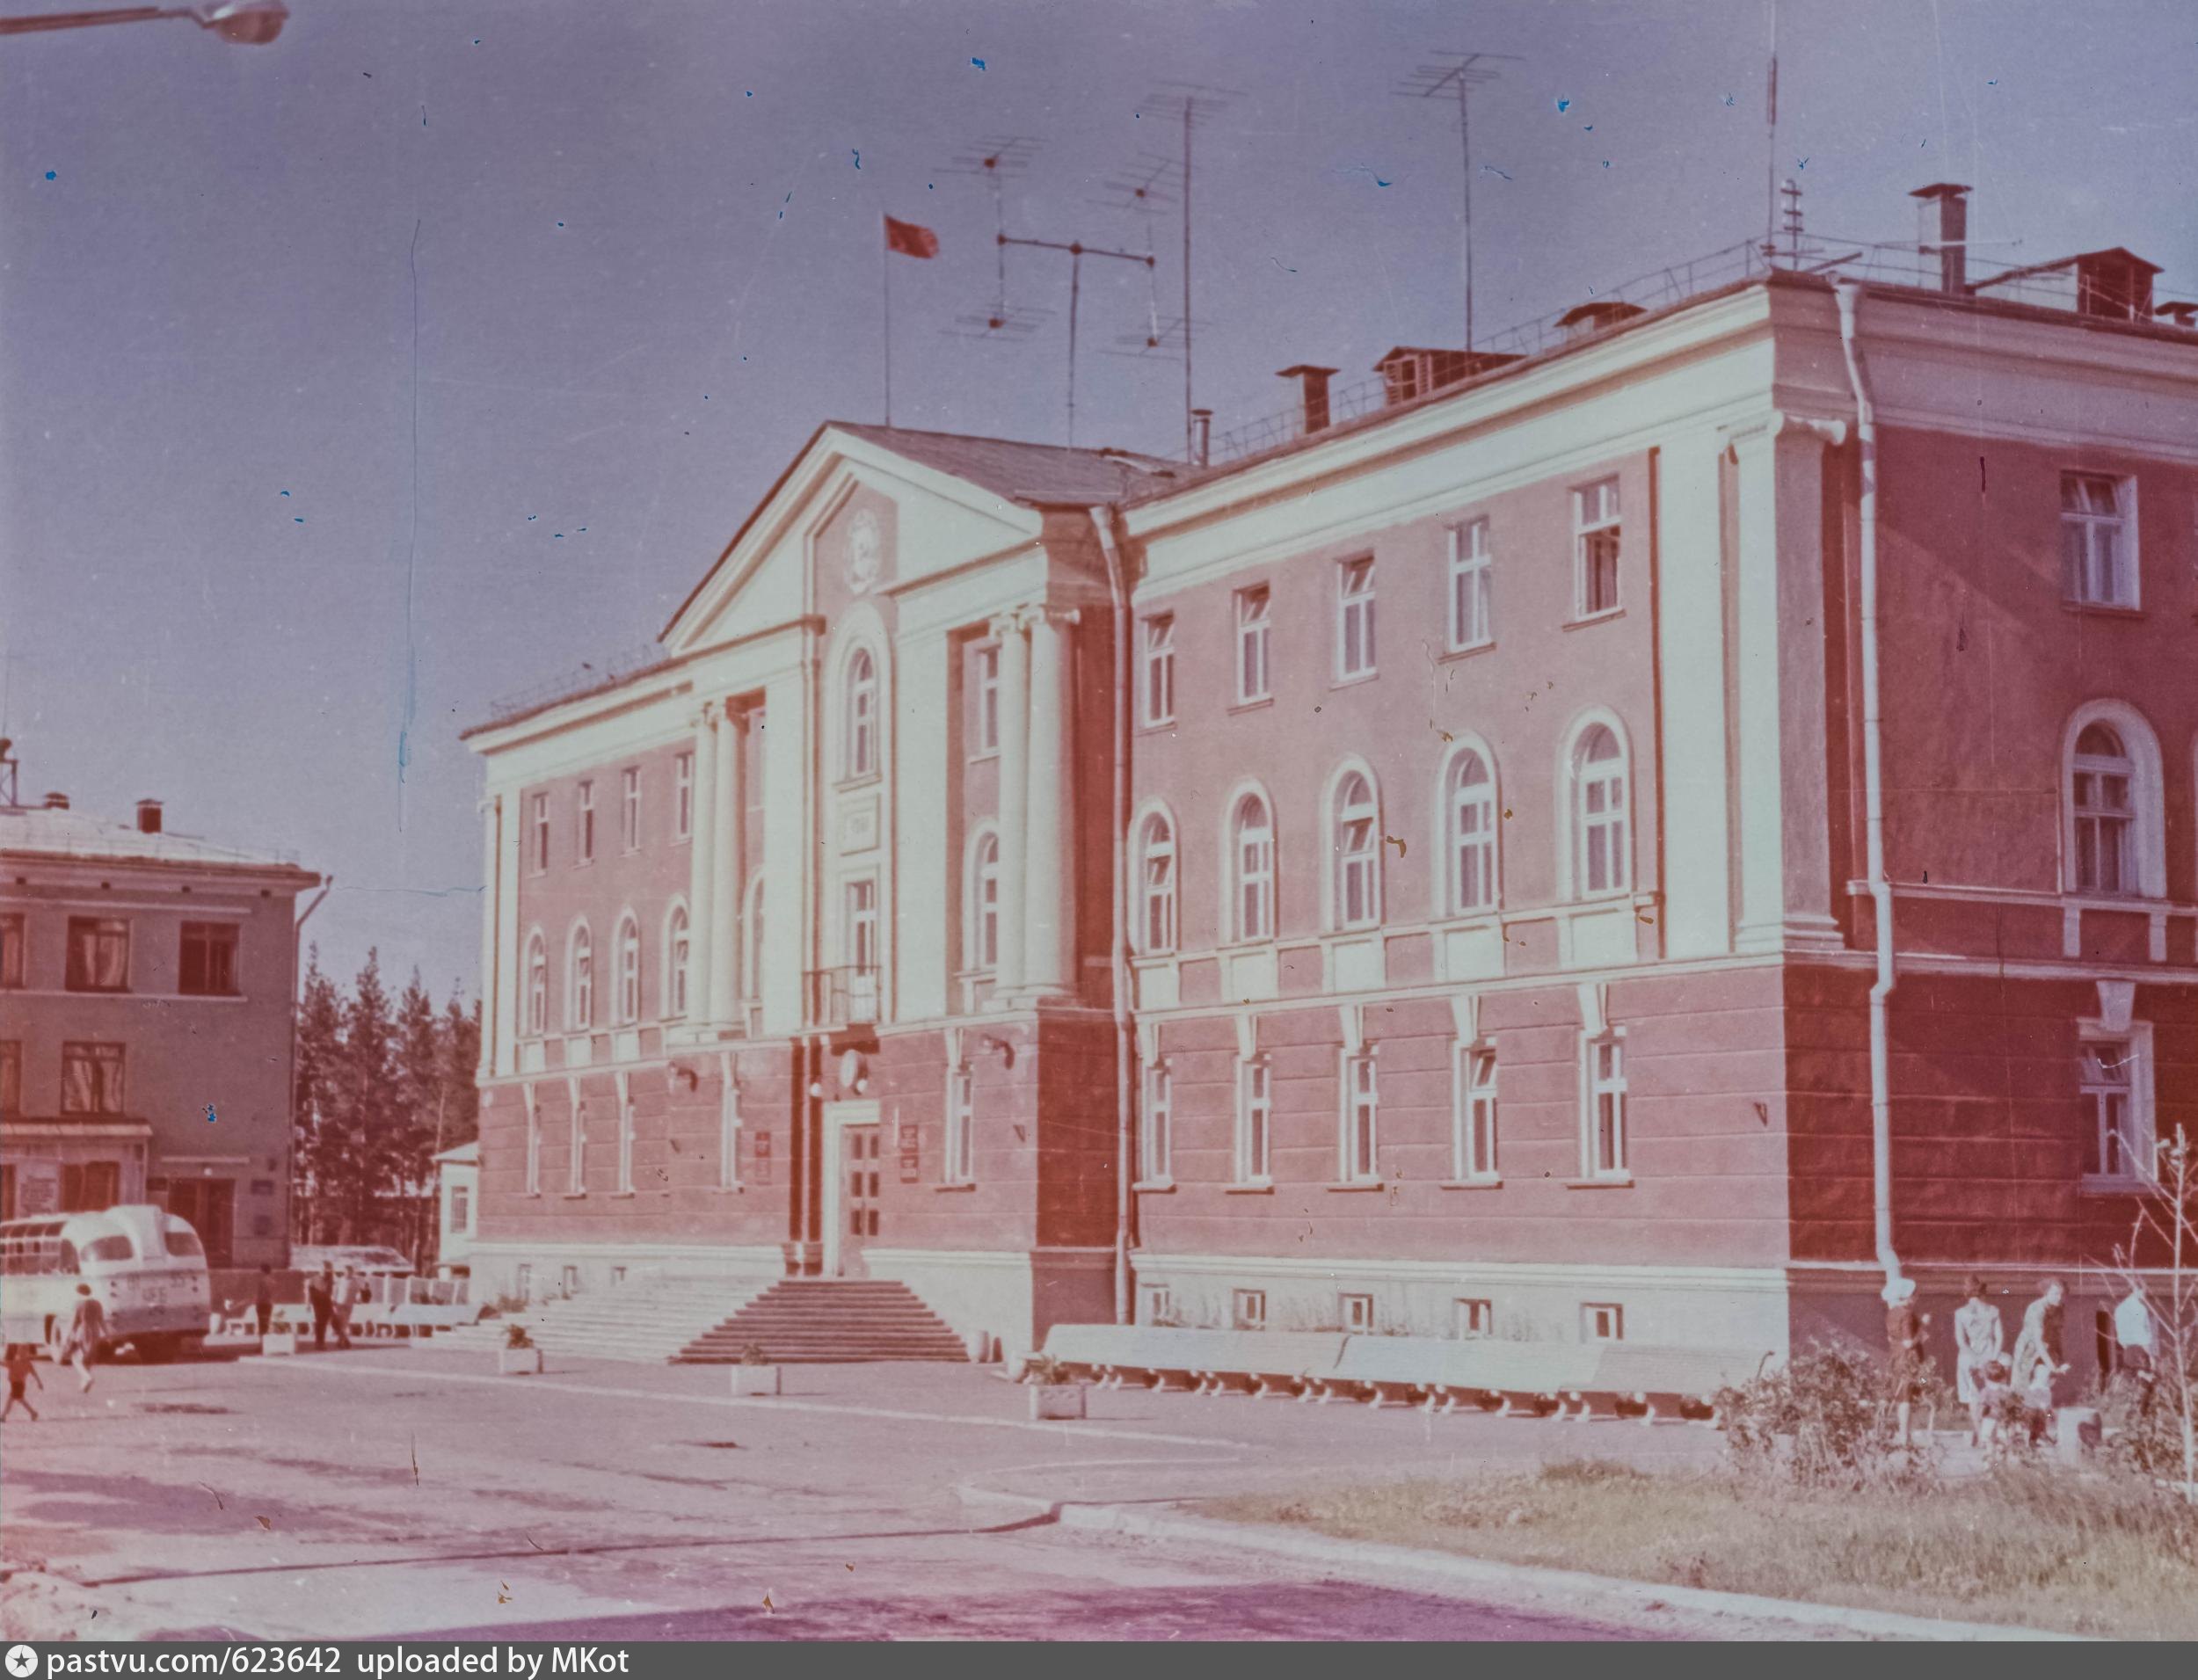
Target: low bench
(1661, 1382)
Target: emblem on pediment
(866, 550)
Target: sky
(351, 384)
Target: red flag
(910, 240)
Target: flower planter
(279, 1342)
(1056, 1400)
(752, 1381)
(519, 1362)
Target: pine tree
(461, 1060)
(423, 1098)
(315, 1168)
(371, 1114)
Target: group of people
(2000, 1386)
(81, 1346)
(330, 1297)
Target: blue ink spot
(285, 492)
(1993, 83)
(210, 1116)
(476, 41)
(1729, 98)
(1801, 163)
(49, 174)
(1278, 262)
(1606, 162)
(1490, 169)
(583, 527)
(978, 62)
(298, 519)
(1587, 128)
(857, 150)
(561, 224)
(1563, 106)
(531, 518)
(560, 536)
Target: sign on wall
(759, 1158)
(909, 1154)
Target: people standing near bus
(348, 1294)
(86, 1331)
(263, 1301)
(22, 1368)
(320, 1294)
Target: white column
(510, 941)
(1785, 805)
(701, 882)
(788, 868)
(1049, 862)
(1696, 868)
(493, 890)
(1015, 697)
(724, 943)
(925, 729)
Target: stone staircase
(805, 1322)
(646, 1320)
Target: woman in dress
(1903, 1348)
(2037, 1360)
(1979, 1339)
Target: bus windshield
(109, 1251)
(183, 1245)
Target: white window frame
(960, 1164)
(1247, 1309)
(2139, 1138)
(1472, 1319)
(626, 948)
(1472, 861)
(1595, 512)
(1356, 646)
(679, 950)
(2147, 858)
(683, 796)
(579, 979)
(630, 807)
(1255, 883)
(542, 834)
(2085, 531)
(1354, 818)
(859, 926)
(1597, 1086)
(860, 696)
(1355, 1313)
(1155, 1303)
(1156, 669)
(1158, 872)
(1254, 644)
(985, 701)
(1613, 821)
(576, 1166)
(1255, 1120)
(1602, 1321)
(533, 1142)
(1359, 1143)
(981, 954)
(584, 823)
(1155, 1125)
(625, 1148)
(1472, 572)
(537, 985)
(1476, 1144)
(2110, 828)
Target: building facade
(1431, 857)
(146, 988)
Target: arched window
(1156, 879)
(984, 901)
(676, 945)
(580, 987)
(2101, 786)
(861, 702)
(1470, 806)
(751, 940)
(629, 948)
(1602, 858)
(1252, 845)
(537, 986)
(1357, 854)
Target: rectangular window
(1154, 1124)
(1470, 568)
(630, 808)
(1157, 686)
(625, 1149)
(1356, 1314)
(90, 1186)
(533, 1147)
(862, 929)
(1594, 548)
(11, 952)
(91, 1078)
(12, 1077)
(1254, 1117)
(98, 953)
(584, 837)
(2098, 558)
(1473, 1147)
(1247, 1309)
(1602, 1321)
(571, 1285)
(1360, 1107)
(961, 1102)
(542, 832)
(460, 1207)
(208, 969)
(1251, 644)
(2115, 1077)
(1154, 1304)
(576, 1164)
(1471, 1320)
(984, 711)
(1604, 1156)
(1354, 618)
(683, 796)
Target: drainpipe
(1850, 295)
(1118, 590)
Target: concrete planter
(1056, 1400)
(519, 1362)
(750, 1382)
(278, 1343)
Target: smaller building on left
(146, 1023)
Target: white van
(144, 1265)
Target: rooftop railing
(587, 677)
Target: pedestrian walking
(87, 1330)
(263, 1300)
(2038, 1359)
(320, 1295)
(1979, 1341)
(349, 1292)
(22, 1368)
(1904, 1346)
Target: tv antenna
(1193, 104)
(1459, 73)
(1076, 251)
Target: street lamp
(244, 23)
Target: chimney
(1315, 381)
(1202, 424)
(148, 816)
(57, 802)
(1943, 229)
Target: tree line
(382, 1088)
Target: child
(22, 1368)
(1995, 1402)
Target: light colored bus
(144, 1265)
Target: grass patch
(2075, 1553)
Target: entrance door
(209, 1206)
(858, 1201)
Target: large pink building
(1431, 856)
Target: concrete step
(829, 1322)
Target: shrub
(515, 1335)
(1044, 1370)
(1816, 1421)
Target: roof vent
(2115, 283)
(1943, 231)
(148, 816)
(57, 802)
(1314, 383)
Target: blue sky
(265, 549)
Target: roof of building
(1038, 475)
(45, 832)
(465, 1154)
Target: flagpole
(885, 273)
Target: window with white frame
(630, 808)
(576, 1170)
(1471, 567)
(984, 903)
(542, 832)
(1254, 1119)
(533, 1144)
(1361, 1111)
(1357, 853)
(1247, 1309)
(1473, 1319)
(676, 946)
(584, 824)
(629, 972)
(2115, 1075)
(961, 1111)
(2098, 558)
(1354, 618)
(537, 986)
(1356, 1314)
(1602, 1321)
(1595, 528)
(1602, 863)
(1471, 809)
(1252, 842)
(1603, 1077)
(2102, 779)
(1156, 685)
(683, 796)
(625, 1149)
(579, 984)
(1156, 1123)
(1156, 884)
(860, 932)
(984, 711)
(1155, 1303)
(1473, 1135)
(861, 755)
(1252, 608)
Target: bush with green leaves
(1817, 1421)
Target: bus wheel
(157, 1350)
